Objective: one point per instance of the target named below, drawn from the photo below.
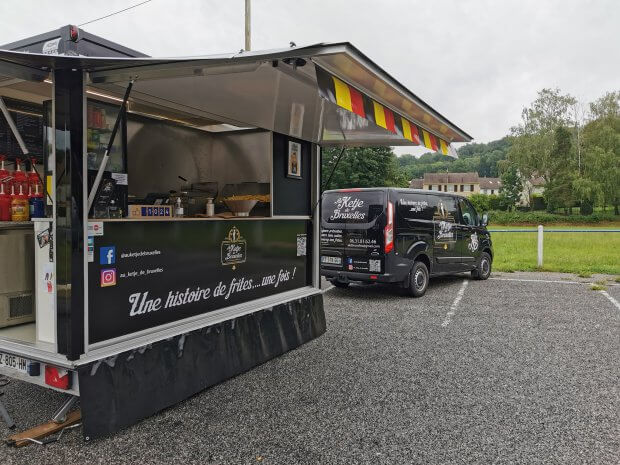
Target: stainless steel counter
(16, 225)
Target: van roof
(403, 190)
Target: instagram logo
(108, 277)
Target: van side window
(468, 213)
(414, 207)
(443, 208)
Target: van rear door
(362, 215)
(332, 235)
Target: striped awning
(348, 97)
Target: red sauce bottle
(5, 204)
(19, 178)
(5, 175)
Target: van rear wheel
(418, 279)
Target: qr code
(301, 245)
(374, 265)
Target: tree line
(574, 147)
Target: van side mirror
(485, 219)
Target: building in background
(458, 183)
(490, 186)
(535, 187)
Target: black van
(401, 236)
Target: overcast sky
(476, 62)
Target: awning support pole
(106, 155)
(324, 188)
(16, 133)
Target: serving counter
(148, 273)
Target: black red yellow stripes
(342, 94)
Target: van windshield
(352, 207)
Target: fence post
(540, 246)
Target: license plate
(331, 260)
(13, 362)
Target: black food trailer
(180, 241)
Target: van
(403, 236)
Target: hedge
(540, 217)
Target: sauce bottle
(5, 176)
(33, 177)
(5, 204)
(178, 209)
(35, 200)
(20, 178)
(20, 209)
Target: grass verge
(580, 253)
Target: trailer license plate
(14, 362)
(331, 260)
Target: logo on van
(233, 250)
(473, 245)
(347, 208)
(444, 224)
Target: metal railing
(540, 230)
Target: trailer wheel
(340, 284)
(484, 267)
(418, 279)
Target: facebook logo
(107, 255)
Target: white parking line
(611, 299)
(455, 304)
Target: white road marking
(611, 299)
(546, 281)
(328, 288)
(455, 304)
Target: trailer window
(352, 207)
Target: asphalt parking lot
(523, 368)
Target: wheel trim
(484, 267)
(419, 279)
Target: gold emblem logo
(233, 250)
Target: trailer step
(39, 433)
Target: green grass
(580, 253)
(598, 287)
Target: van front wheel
(418, 279)
(484, 267)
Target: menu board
(28, 118)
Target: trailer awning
(330, 94)
(351, 99)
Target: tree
(561, 172)
(601, 149)
(362, 167)
(533, 139)
(608, 106)
(480, 158)
(512, 186)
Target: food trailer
(179, 242)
